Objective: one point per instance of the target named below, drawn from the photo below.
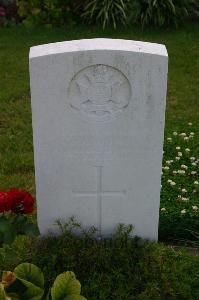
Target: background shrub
(106, 12)
(157, 13)
(160, 13)
(10, 9)
(49, 12)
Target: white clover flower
(175, 133)
(194, 164)
(168, 162)
(177, 158)
(169, 180)
(192, 158)
(180, 154)
(171, 160)
(179, 196)
(195, 207)
(163, 209)
(196, 182)
(183, 199)
(181, 171)
(182, 134)
(172, 183)
(184, 167)
(190, 124)
(178, 148)
(187, 150)
(186, 138)
(169, 139)
(166, 168)
(175, 172)
(194, 191)
(183, 211)
(191, 136)
(192, 133)
(184, 191)
(193, 172)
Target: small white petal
(184, 167)
(195, 207)
(193, 172)
(163, 209)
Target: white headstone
(98, 121)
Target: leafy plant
(162, 12)
(48, 12)
(115, 268)
(26, 282)
(14, 207)
(106, 12)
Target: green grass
(16, 151)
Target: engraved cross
(99, 193)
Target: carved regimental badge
(100, 91)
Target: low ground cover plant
(179, 212)
(116, 268)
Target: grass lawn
(16, 151)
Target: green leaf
(31, 273)
(74, 297)
(2, 292)
(65, 284)
(4, 223)
(31, 229)
(32, 278)
(9, 235)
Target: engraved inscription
(99, 91)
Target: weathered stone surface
(98, 121)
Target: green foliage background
(158, 13)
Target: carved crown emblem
(99, 91)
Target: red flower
(5, 202)
(22, 201)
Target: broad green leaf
(74, 297)
(30, 273)
(32, 278)
(65, 284)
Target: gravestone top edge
(98, 44)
